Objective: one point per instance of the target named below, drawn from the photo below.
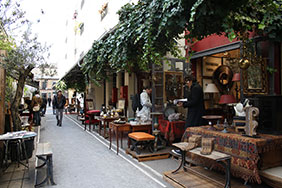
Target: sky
(48, 18)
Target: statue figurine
(251, 123)
(239, 109)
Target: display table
(247, 153)
(18, 138)
(118, 128)
(105, 122)
(171, 129)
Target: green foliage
(47, 69)
(71, 80)
(10, 89)
(61, 85)
(271, 70)
(149, 29)
(145, 33)
(236, 17)
(28, 53)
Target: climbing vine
(149, 29)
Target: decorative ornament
(251, 123)
(244, 63)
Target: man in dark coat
(195, 103)
(59, 104)
(49, 101)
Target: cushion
(93, 111)
(141, 136)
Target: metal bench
(44, 153)
(222, 158)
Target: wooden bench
(44, 153)
(219, 157)
(141, 138)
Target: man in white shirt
(145, 101)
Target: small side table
(212, 119)
(118, 128)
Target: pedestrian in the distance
(49, 101)
(43, 106)
(59, 104)
(36, 105)
(53, 105)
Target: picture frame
(121, 104)
(210, 64)
(89, 104)
(255, 79)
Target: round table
(212, 119)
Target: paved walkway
(82, 159)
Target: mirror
(255, 80)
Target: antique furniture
(18, 139)
(44, 153)
(213, 119)
(90, 114)
(126, 127)
(105, 122)
(221, 158)
(141, 138)
(270, 116)
(248, 154)
(171, 130)
(118, 128)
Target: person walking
(36, 104)
(59, 104)
(49, 101)
(43, 106)
(53, 105)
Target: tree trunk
(18, 96)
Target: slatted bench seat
(141, 138)
(44, 153)
(222, 158)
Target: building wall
(49, 90)
(78, 43)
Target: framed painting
(210, 64)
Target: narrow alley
(82, 159)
